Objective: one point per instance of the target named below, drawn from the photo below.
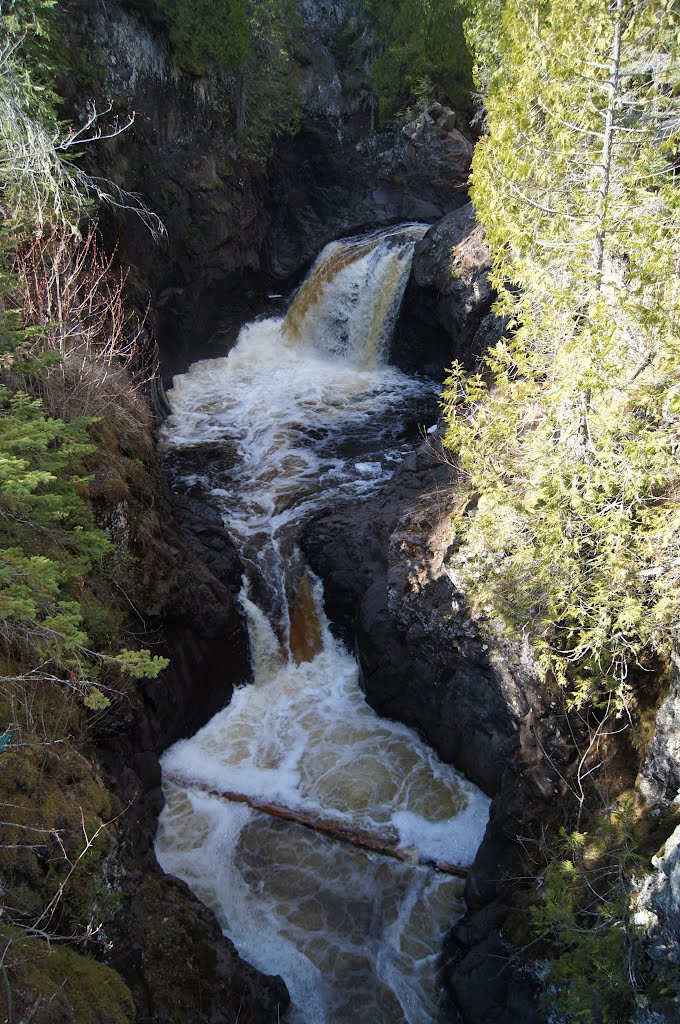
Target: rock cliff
(447, 307)
(167, 946)
(238, 228)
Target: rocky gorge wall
(166, 945)
(237, 228)
(235, 232)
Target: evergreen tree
(415, 50)
(483, 32)
(49, 541)
(267, 92)
(570, 436)
(208, 32)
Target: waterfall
(305, 410)
(349, 302)
(305, 415)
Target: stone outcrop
(434, 138)
(179, 156)
(238, 229)
(658, 901)
(180, 966)
(327, 183)
(658, 916)
(447, 307)
(659, 778)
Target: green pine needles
(570, 434)
(585, 920)
(208, 32)
(421, 53)
(50, 543)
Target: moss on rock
(55, 985)
(54, 804)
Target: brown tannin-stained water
(316, 419)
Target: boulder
(659, 778)
(434, 140)
(447, 306)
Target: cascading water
(304, 415)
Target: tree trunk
(608, 147)
(340, 830)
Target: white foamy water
(298, 418)
(286, 411)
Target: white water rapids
(304, 415)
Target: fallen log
(335, 829)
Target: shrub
(584, 919)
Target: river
(304, 415)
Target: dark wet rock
(446, 313)
(490, 330)
(179, 156)
(208, 538)
(326, 184)
(456, 243)
(187, 971)
(481, 706)
(483, 981)
(167, 946)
